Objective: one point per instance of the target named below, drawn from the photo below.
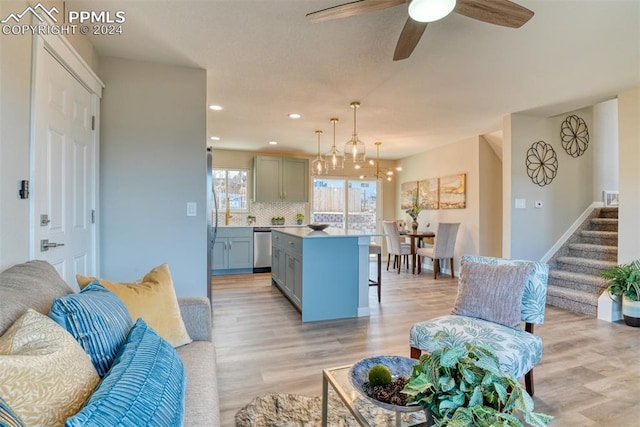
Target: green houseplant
(299, 218)
(464, 387)
(624, 281)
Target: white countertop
(327, 232)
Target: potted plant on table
(299, 218)
(414, 211)
(623, 281)
(465, 387)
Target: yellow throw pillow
(153, 299)
(45, 376)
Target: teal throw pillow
(145, 386)
(97, 319)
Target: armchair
(518, 350)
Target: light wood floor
(589, 374)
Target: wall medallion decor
(574, 135)
(542, 163)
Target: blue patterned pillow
(145, 386)
(8, 418)
(97, 319)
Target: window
(345, 203)
(230, 186)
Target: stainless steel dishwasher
(261, 249)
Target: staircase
(574, 281)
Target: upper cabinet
(280, 179)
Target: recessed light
(294, 116)
(215, 138)
(215, 107)
(273, 142)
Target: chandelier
(319, 165)
(333, 156)
(354, 149)
(379, 172)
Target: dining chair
(395, 246)
(443, 247)
(493, 300)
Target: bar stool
(376, 250)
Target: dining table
(416, 240)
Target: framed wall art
(452, 191)
(428, 189)
(408, 192)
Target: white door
(63, 170)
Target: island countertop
(306, 232)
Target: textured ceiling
(265, 60)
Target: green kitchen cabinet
(280, 179)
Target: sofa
(34, 285)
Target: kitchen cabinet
(280, 179)
(233, 251)
(286, 268)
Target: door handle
(45, 245)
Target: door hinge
(93, 122)
(93, 216)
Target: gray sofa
(34, 284)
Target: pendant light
(319, 165)
(333, 157)
(379, 172)
(354, 149)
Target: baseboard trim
(561, 241)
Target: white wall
(629, 211)
(490, 200)
(15, 94)
(605, 152)
(152, 162)
(533, 231)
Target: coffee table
(338, 379)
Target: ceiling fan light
(430, 10)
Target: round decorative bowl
(399, 367)
(317, 227)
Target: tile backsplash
(265, 211)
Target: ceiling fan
(421, 12)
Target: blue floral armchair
(518, 350)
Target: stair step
(608, 238)
(592, 251)
(577, 281)
(576, 301)
(583, 265)
(608, 212)
(604, 224)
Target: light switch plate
(191, 208)
(521, 203)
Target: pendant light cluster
(354, 151)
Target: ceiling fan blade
(498, 12)
(351, 9)
(409, 38)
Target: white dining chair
(395, 246)
(443, 247)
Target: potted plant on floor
(624, 281)
(299, 218)
(465, 387)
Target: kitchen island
(325, 274)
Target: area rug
(294, 410)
